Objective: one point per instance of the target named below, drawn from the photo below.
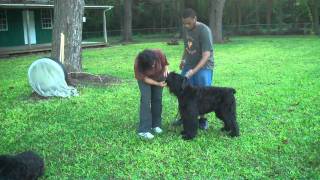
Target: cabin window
(3, 20)
(46, 19)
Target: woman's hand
(154, 83)
(162, 84)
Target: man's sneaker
(146, 135)
(157, 130)
(203, 124)
(177, 122)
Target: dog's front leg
(190, 123)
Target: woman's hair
(146, 60)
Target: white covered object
(47, 78)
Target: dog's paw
(233, 134)
(186, 137)
(224, 129)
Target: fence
(139, 34)
(269, 29)
(228, 30)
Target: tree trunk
(180, 8)
(215, 18)
(239, 12)
(70, 24)
(280, 15)
(316, 5)
(269, 12)
(257, 14)
(127, 21)
(172, 14)
(234, 15)
(154, 24)
(161, 15)
(116, 26)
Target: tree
(316, 6)
(279, 12)
(239, 14)
(215, 19)
(68, 20)
(257, 6)
(127, 21)
(180, 7)
(269, 11)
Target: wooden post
(105, 27)
(28, 26)
(61, 56)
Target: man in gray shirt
(197, 59)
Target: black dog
(24, 166)
(195, 101)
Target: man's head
(146, 60)
(189, 18)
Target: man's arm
(202, 62)
(183, 61)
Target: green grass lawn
(93, 136)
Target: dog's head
(26, 165)
(176, 83)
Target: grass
(93, 136)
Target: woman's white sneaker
(157, 130)
(146, 135)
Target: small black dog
(24, 166)
(195, 101)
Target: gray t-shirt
(197, 41)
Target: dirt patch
(36, 97)
(173, 42)
(82, 78)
